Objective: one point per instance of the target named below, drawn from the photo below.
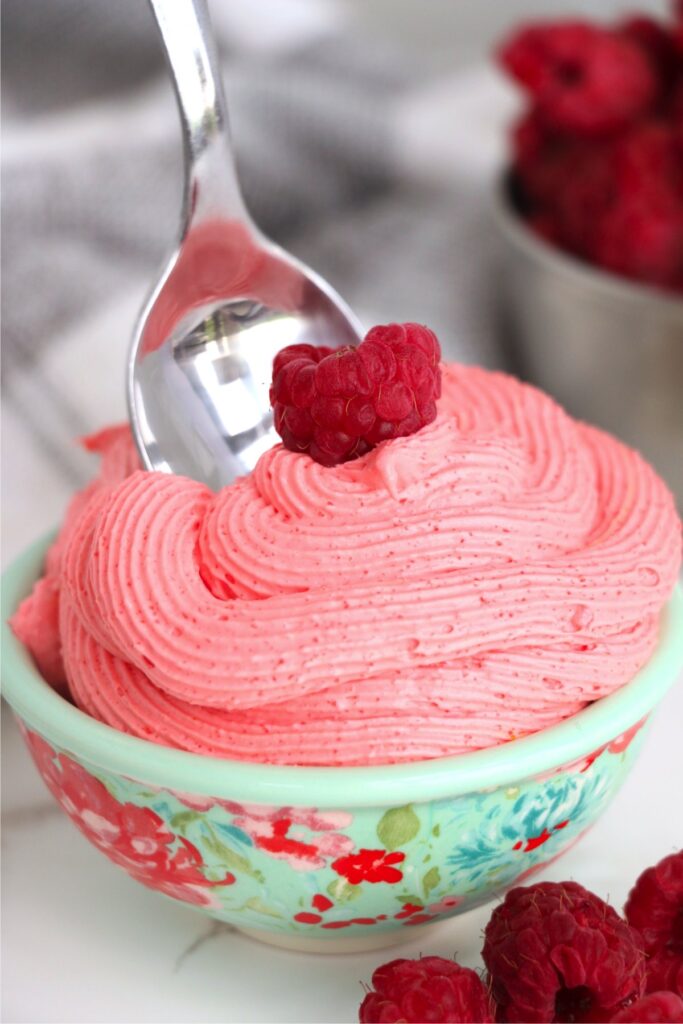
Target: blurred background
(369, 136)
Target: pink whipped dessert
(474, 582)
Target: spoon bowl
(229, 299)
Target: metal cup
(610, 350)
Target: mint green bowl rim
(382, 785)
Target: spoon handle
(211, 185)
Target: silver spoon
(229, 299)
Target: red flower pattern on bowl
(282, 832)
(133, 837)
(370, 866)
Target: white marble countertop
(83, 942)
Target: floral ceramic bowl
(331, 859)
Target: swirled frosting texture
(452, 590)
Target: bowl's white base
(343, 944)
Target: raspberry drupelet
(428, 989)
(585, 80)
(655, 908)
(656, 1008)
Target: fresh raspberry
(647, 163)
(641, 237)
(655, 908)
(658, 45)
(586, 81)
(587, 195)
(337, 405)
(546, 177)
(639, 175)
(556, 952)
(656, 1008)
(529, 139)
(429, 989)
(543, 161)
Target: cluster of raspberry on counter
(554, 952)
(598, 154)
